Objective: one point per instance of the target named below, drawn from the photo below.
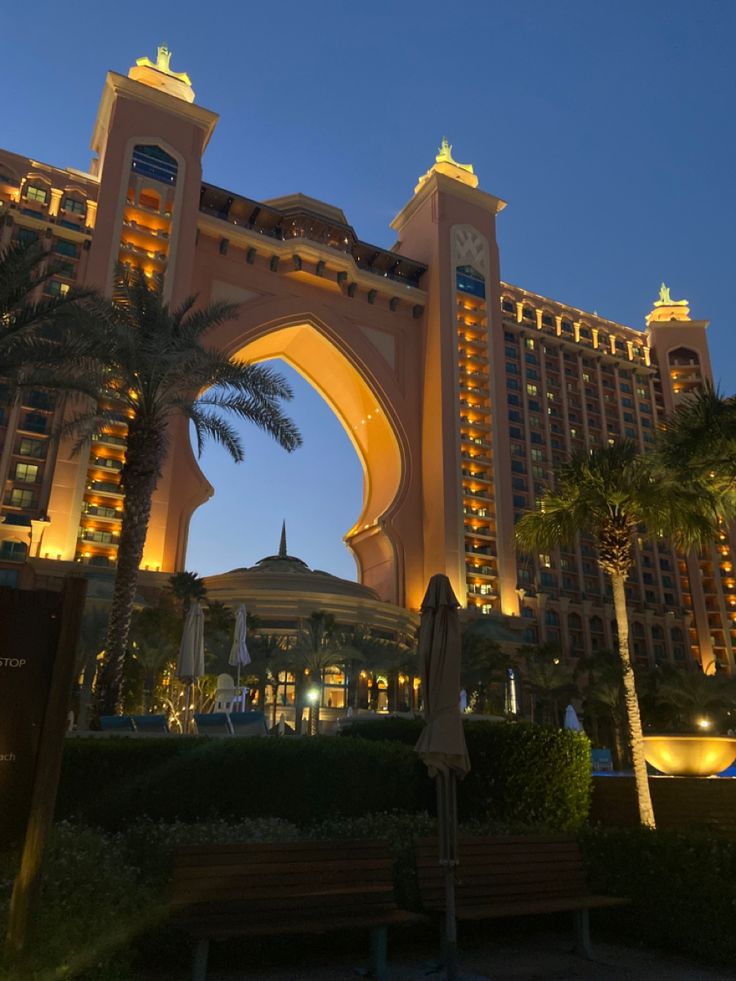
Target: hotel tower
(460, 392)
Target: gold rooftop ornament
(446, 164)
(666, 309)
(665, 300)
(159, 75)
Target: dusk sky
(609, 128)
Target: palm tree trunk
(140, 476)
(636, 739)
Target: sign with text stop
(29, 634)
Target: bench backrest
(502, 870)
(303, 880)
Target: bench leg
(582, 933)
(379, 946)
(199, 963)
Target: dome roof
(289, 573)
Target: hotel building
(460, 392)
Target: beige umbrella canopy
(190, 662)
(442, 742)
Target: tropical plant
(32, 340)
(693, 698)
(186, 587)
(700, 440)
(598, 678)
(157, 370)
(267, 661)
(548, 679)
(155, 635)
(315, 649)
(614, 493)
(483, 666)
(90, 644)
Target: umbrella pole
(187, 700)
(447, 827)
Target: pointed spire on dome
(282, 543)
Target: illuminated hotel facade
(459, 392)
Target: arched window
(684, 356)
(152, 161)
(469, 280)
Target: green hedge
(521, 775)
(682, 886)
(109, 782)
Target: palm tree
(548, 679)
(700, 439)
(692, 696)
(156, 365)
(614, 493)
(316, 648)
(267, 653)
(90, 644)
(155, 635)
(30, 339)
(187, 587)
(483, 667)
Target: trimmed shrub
(682, 886)
(299, 780)
(521, 774)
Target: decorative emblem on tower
(666, 309)
(159, 75)
(446, 164)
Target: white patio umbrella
(571, 720)
(442, 742)
(190, 662)
(239, 655)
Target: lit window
(74, 205)
(56, 288)
(531, 389)
(32, 447)
(36, 194)
(530, 343)
(21, 498)
(26, 472)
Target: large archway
(348, 386)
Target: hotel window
(9, 577)
(57, 288)
(36, 194)
(32, 447)
(152, 161)
(13, 552)
(74, 205)
(26, 236)
(33, 422)
(469, 280)
(26, 473)
(21, 498)
(62, 247)
(519, 501)
(530, 343)
(508, 307)
(531, 389)
(548, 321)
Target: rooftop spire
(444, 163)
(159, 75)
(282, 543)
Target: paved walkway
(539, 958)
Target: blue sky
(608, 127)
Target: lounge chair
(601, 760)
(116, 723)
(248, 723)
(151, 723)
(213, 724)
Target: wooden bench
(513, 876)
(223, 891)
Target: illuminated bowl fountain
(690, 756)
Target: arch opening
(367, 423)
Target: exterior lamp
(312, 695)
(704, 723)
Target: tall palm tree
(614, 493)
(157, 369)
(316, 648)
(693, 696)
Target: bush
(299, 780)
(520, 774)
(682, 886)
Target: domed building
(282, 592)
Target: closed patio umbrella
(442, 742)
(190, 662)
(571, 719)
(239, 655)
